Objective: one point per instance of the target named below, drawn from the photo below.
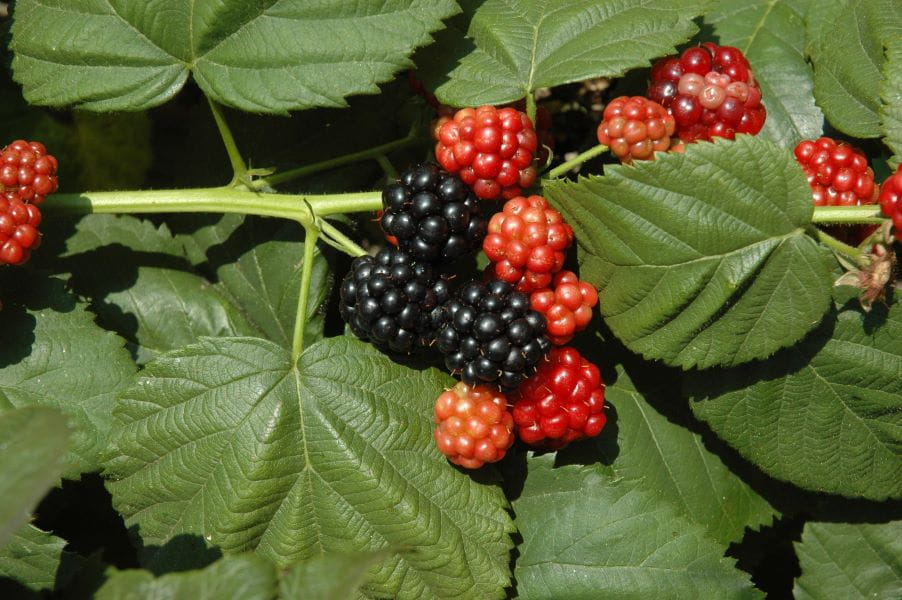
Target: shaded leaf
(771, 34)
(37, 560)
(585, 536)
(702, 274)
(147, 292)
(328, 577)
(850, 560)
(33, 442)
(848, 63)
(825, 415)
(113, 151)
(241, 577)
(528, 44)
(272, 56)
(226, 440)
(54, 355)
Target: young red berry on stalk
(527, 242)
(710, 91)
(891, 201)
(562, 402)
(26, 167)
(567, 306)
(838, 174)
(491, 149)
(474, 425)
(635, 128)
(18, 228)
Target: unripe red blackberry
(891, 201)
(18, 228)
(432, 214)
(489, 335)
(710, 91)
(27, 168)
(491, 149)
(388, 299)
(838, 174)
(635, 128)
(567, 306)
(562, 402)
(474, 425)
(527, 242)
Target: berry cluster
(710, 91)
(891, 201)
(433, 215)
(838, 174)
(562, 402)
(635, 127)
(567, 306)
(27, 176)
(527, 242)
(474, 425)
(492, 150)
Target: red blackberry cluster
(491, 149)
(474, 425)
(710, 91)
(562, 402)
(18, 229)
(635, 128)
(891, 201)
(432, 214)
(387, 299)
(489, 335)
(838, 174)
(567, 306)
(527, 242)
(26, 168)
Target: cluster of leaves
(745, 391)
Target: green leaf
(54, 355)
(526, 45)
(850, 560)
(848, 63)
(820, 18)
(702, 258)
(891, 95)
(270, 56)
(328, 577)
(672, 461)
(258, 265)
(825, 415)
(226, 440)
(241, 577)
(771, 34)
(585, 537)
(147, 292)
(33, 442)
(37, 560)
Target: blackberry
(490, 336)
(388, 299)
(433, 215)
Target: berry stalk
(866, 214)
(576, 161)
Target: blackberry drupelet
(490, 336)
(388, 299)
(433, 215)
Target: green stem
(576, 161)
(841, 248)
(239, 168)
(866, 214)
(216, 200)
(391, 173)
(531, 107)
(338, 161)
(300, 320)
(342, 242)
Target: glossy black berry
(489, 335)
(390, 299)
(433, 215)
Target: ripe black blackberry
(388, 299)
(489, 335)
(433, 214)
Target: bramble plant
(346, 299)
